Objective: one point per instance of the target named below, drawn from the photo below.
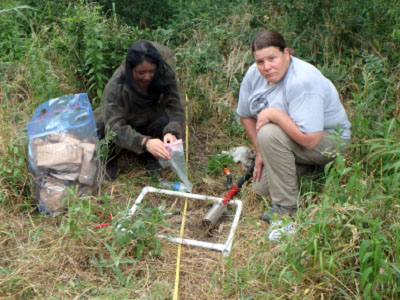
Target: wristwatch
(145, 140)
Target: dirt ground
(35, 248)
(201, 269)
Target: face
(272, 63)
(144, 73)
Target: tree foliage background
(348, 244)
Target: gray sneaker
(279, 229)
(276, 212)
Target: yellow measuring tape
(178, 258)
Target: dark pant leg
(155, 126)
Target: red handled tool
(219, 208)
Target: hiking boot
(279, 229)
(276, 212)
(112, 169)
(153, 165)
(309, 170)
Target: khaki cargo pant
(282, 156)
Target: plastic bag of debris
(177, 162)
(241, 154)
(62, 151)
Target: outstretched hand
(157, 149)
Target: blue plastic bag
(62, 151)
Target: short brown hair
(268, 38)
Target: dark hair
(268, 38)
(141, 51)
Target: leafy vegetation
(347, 243)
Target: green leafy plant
(145, 14)
(15, 27)
(79, 212)
(116, 261)
(347, 243)
(13, 173)
(141, 231)
(216, 163)
(106, 151)
(107, 146)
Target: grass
(347, 241)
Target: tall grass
(347, 242)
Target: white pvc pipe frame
(224, 248)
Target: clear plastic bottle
(176, 186)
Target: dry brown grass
(42, 259)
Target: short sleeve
(307, 111)
(243, 109)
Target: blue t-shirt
(309, 98)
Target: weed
(114, 264)
(79, 211)
(141, 231)
(216, 163)
(13, 173)
(107, 150)
(347, 243)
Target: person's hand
(258, 165)
(263, 118)
(169, 138)
(157, 149)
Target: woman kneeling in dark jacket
(142, 105)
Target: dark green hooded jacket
(123, 109)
